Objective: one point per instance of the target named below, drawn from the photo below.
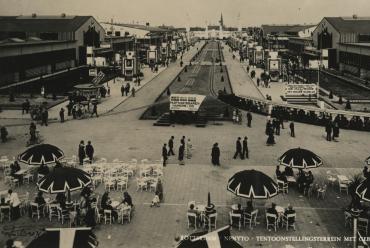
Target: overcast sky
(193, 12)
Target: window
(117, 33)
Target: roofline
(34, 43)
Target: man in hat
(164, 154)
(215, 155)
(238, 149)
(245, 153)
(249, 119)
(89, 151)
(170, 146)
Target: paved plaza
(119, 133)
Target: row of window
(358, 60)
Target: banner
(186, 102)
(294, 90)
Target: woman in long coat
(181, 154)
(215, 154)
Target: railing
(299, 113)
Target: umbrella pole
(68, 195)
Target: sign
(274, 64)
(93, 72)
(294, 90)
(186, 102)
(152, 54)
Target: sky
(183, 13)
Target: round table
(115, 204)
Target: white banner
(186, 102)
(294, 90)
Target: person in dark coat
(268, 129)
(277, 126)
(170, 146)
(44, 117)
(90, 151)
(122, 90)
(95, 110)
(127, 89)
(249, 119)
(133, 91)
(61, 115)
(291, 126)
(164, 154)
(215, 154)
(81, 152)
(181, 154)
(271, 139)
(245, 148)
(238, 149)
(182, 141)
(328, 130)
(335, 130)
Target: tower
(221, 21)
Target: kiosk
(152, 56)
(173, 50)
(164, 52)
(130, 66)
(273, 65)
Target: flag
(220, 238)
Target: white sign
(294, 90)
(186, 102)
(152, 54)
(93, 72)
(274, 65)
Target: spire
(222, 21)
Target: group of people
(13, 202)
(242, 149)
(332, 130)
(304, 180)
(185, 149)
(106, 204)
(85, 151)
(125, 89)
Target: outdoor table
(21, 172)
(291, 179)
(115, 204)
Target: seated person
(43, 170)
(273, 211)
(83, 205)
(90, 218)
(61, 199)
(239, 210)
(155, 201)
(282, 177)
(39, 199)
(14, 167)
(192, 210)
(309, 178)
(287, 211)
(289, 171)
(301, 180)
(249, 209)
(106, 205)
(127, 199)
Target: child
(155, 201)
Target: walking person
(335, 131)
(291, 126)
(90, 151)
(44, 117)
(182, 141)
(133, 91)
(122, 90)
(127, 89)
(81, 152)
(215, 155)
(249, 119)
(164, 154)
(328, 130)
(181, 154)
(189, 147)
(61, 115)
(170, 146)
(245, 148)
(238, 149)
(95, 110)
(277, 126)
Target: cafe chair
(192, 220)
(14, 182)
(122, 184)
(288, 221)
(4, 213)
(321, 192)
(35, 210)
(141, 184)
(235, 219)
(282, 186)
(343, 187)
(28, 178)
(53, 211)
(107, 216)
(362, 225)
(98, 215)
(347, 219)
(271, 220)
(212, 220)
(109, 184)
(125, 214)
(63, 214)
(251, 218)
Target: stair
(163, 120)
